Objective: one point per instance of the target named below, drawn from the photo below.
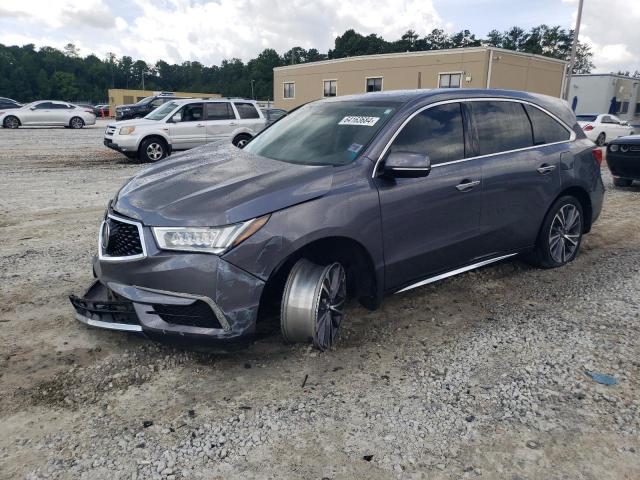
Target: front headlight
(613, 148)
(207, 239)
(127, 130)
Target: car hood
(136, 122)
(218, 184)
(127, 105)
(629, 140)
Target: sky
(210, 31)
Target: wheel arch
(362, 281)
(583, 197)
(157, 135)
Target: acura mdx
(360, 196)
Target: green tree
(63, 86)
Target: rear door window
(436, 132)
(545, 128)
(501, 126)
(220, 111)
(247, 110)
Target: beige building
(477, 67)
(121, 96)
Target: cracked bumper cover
(127, 296)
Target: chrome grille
(121, 239)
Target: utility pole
(252, 95)
(142, 73)
(574, 46)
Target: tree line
(28, 73)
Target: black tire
(622, 182)
(559, 241)
(313, 303)
(602, 138)
(152, 150)
(76, 123)
(11, 121)
(241, 140)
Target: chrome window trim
(107, 258)
(572, 134)
(125, 327)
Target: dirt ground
(482, 375)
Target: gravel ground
(482, 375)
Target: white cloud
(180, 30)
(611, 28)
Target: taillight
(90, 111)
(597, 155)
(587, 128)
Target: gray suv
(359, 196)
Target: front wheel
(313, 303)
(152, 150)
(76, 123)
(622, 182)
(561, 234)
(11, 122)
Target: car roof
(213, 100)
(408, 98)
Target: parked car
(48, 113)
(603, 128)
(8, 103)
(185, 124)
(144, 106)
(361, 195)
(101, 110)
(273, 114)
(623, 158)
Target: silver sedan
(48, 113)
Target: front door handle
(233, 124)
(467, 185)
(200, 125)
(544, 169)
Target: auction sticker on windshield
(358, 120)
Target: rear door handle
(544, 169)
(467, 185)
(200, 125)
(233, 124)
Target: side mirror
(177, 118)
(407, 165)
(624, 122)
(32, 108)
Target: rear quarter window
(501, 126)
(247, 110)
(545, 128)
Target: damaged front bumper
(166, 295)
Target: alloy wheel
(313, 303)
(242, 143)
(155, 151)
(565, 233)
(77, 123)
(12, 122)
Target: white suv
(185, 124)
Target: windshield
(586, 118)
(320, 133)
(161, 112)
(145, 100)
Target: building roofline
(447, 51)
(604, 75)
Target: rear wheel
(622, 182)
(241, 140)
(11, 122)
(313, 303)
(602, 138)
(76, 123)
(561, 234)
(152, 150)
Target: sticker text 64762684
(359, 120)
